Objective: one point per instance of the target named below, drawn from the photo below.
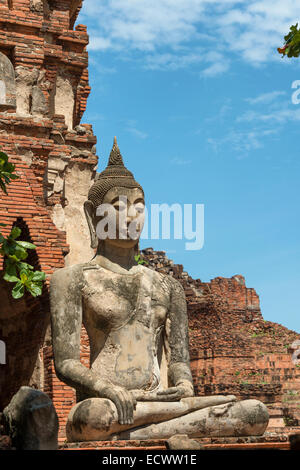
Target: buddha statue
(139, 384)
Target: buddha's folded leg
(244, 418)
(97, 418)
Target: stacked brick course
(233, 349)
(42, 59)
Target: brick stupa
(43, 94)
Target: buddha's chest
(111, 300)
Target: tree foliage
(6, 171)
(14, 251)
(291, 47)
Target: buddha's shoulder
(166, 280)
(70, 274)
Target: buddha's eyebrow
(115, 199)
(140, 199)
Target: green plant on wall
(14, 251)
(140, 260)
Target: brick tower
(43, 94)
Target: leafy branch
(6, 172)
(14, 251)
(291, 47)
(140, 260)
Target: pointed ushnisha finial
(114, 175)
(115, 157)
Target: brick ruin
(43, 94)
(233, 349)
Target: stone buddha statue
(139, 384)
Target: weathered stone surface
(97, 419)
(64, 96)
(294, 441)
(37, 5)
(182, 442)
(250, 359)
(137, 323)
(39, 104)
(5, 443)
(7, 82)
(31, 420)
(244, 418)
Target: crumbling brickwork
(233, 349)
(43, 93)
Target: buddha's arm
(66, 320)
(177, 339)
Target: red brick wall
(43, 43)
(63, 397)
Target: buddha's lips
(125, 233)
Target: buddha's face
(120, 218)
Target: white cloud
(254, 128)
(241, 142)
(171, 61)
(217, 68)
(276, 115)
(99, 44)
(166, 33)
(266, 98)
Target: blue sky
(201, 104)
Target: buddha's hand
(183, 389)
(123, 399)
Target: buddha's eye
(120, 206)
(139, 207)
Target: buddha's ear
(136, 248)
(89, 214)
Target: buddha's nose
(131, 212)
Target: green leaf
(15, 233)
(2, 186)
(10, 268)
(24, 277)
(292, 40)
(27, 245)
(25, 266)
(38, 276)
(13, 258)
(34, 289)
(18, 291)
(9, 278)
(20, 253)
(13, 177)
(3, 159)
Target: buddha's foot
(97, 419)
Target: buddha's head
(115, 206)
